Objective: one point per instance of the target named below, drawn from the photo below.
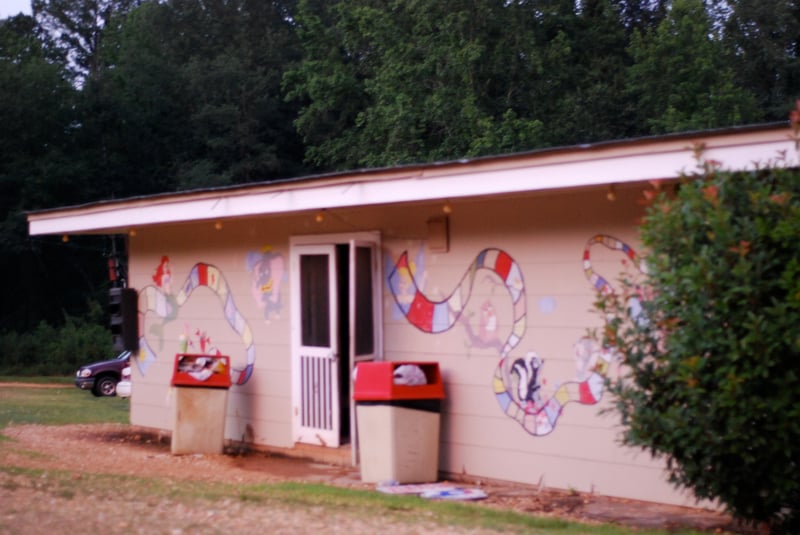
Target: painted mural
(267, 272)
(518, 380)
(409, 279)
(161, 300)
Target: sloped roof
(617, 162)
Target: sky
(9, 8)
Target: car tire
(105, 386)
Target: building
(489, 267)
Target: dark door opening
(343, 283)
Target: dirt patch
(127, 450)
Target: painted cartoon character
(267, 272)
(528, 388)
(168, 306)
(486, 335)
(163, 275)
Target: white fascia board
(568, 169)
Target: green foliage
(49, 350)
(712, 364)
(579, 92)
(77, 27)
(192, 96)
(680, 79)
(35, 101)
(764, 38)
(38, 170)
(382, 84)
(120, 98)
(423, 81)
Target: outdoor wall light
(320, 217)
(447, 209)
(218, 225)
(611, 194)
(439, 234)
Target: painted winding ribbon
(436, 317)
(595, 279)
(523, 401)
(153, 299)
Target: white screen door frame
(317, 265)
(315, 368)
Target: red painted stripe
(420, 314)
(503, 264)
(202, 274)
(402, 262)
(586, 395)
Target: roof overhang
(571, 167)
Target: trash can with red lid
(398, 408)
(201, 384)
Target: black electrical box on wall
(122, 307)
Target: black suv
(102, 377)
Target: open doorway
(335, 293)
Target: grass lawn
(58, 404)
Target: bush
(50, 350)
(712, 355)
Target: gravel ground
(37, 506)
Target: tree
(240, 125)
(765, 40)
(710, 344)
(133, 112)
(680, 79)
(328, 84)
(77, 27)
(383, 84)
(36, 171)
(35, 104)
(584, 65)
(190, 96)
(641, 15)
